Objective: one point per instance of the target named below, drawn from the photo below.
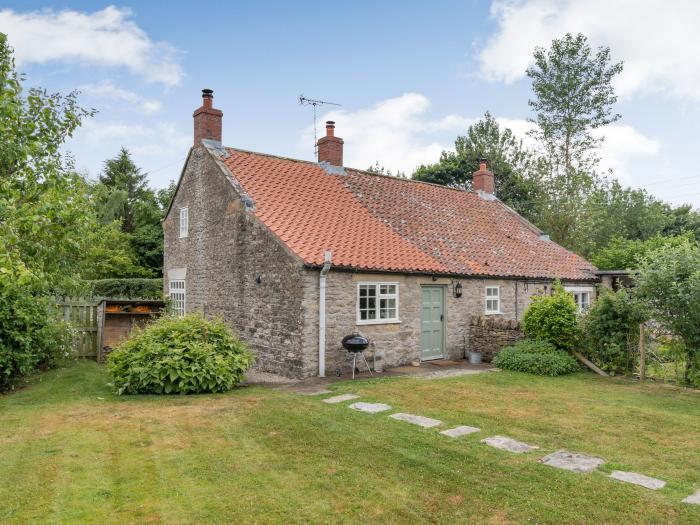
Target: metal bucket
(474, 358)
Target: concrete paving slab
(421, 421)
(340, 398)
(572, 461)
(693, 499)
(638, 479)
(511, 445)
(461, 430)
(371, 408)
(314, 392)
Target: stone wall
(399, 343)
(226, 250)
(488, 335)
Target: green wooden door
(432, 322)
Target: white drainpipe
(322, 313)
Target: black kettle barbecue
(356, 344)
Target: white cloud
(399, 135)
(394, 132)
(108, 91)
(104, 38)
(657, 40)
(158, 138)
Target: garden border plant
(179, 355)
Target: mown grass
(72, 452)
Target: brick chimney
(483, 179)
(330, 147)
(207, 120)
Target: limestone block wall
(399, 343)
(488, 335)
(227, 249)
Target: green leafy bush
(610, 331)
(30, 333)
(185, 355)
(553, 318)
(536, 357)
(136, 288)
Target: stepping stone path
(693, 499)
(572, 461)
(340, 398)
(315, 392)
(506, 443)
(372, 408)
(462, 430)
(421, 421)
(638, 479)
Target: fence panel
(81, 314)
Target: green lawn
(71, 452)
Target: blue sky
(410, 76)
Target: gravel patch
(638, 479)
(462, 430)
(421, 421)
(371, 408)
(572, 461)
(511, 445)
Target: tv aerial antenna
(305, 101)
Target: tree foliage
(627, 254)
(668, 281)
(508, 159)
(611, 331)
(553, 318)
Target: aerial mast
(305, 101)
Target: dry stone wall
(488, 335)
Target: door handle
(442, 317)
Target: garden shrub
(553, 318)
(135, 288)
(610, 331)
(536, 357)
(185, 355)
(31, 336)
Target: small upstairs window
(184, 222)
(493, 300)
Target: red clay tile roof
(374, 222)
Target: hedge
(137, 288)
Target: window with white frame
(377, 303)
(176, 290)
(493, 300)
(583, 300)
(184, 222)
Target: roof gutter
(327, 256)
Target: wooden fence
(81, 313)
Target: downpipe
(327, 256)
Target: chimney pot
(207, 120)
(330, 147)
(483, 179)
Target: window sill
(493, 313)
(379, 321)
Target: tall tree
(508, 159)
(126, 186)
(574, 95)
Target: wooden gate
(81, 314)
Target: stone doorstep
(511, 445)
(421, 421)
(693, 499)
(638, 479)
(340, 398)
(572, 461)
(371, 408)
(461, 430)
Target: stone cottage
(294, 255)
